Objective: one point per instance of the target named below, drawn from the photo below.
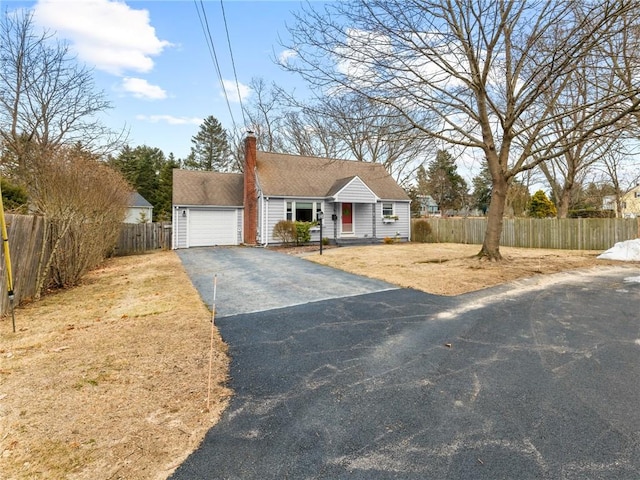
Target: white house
(139, 210)
(360, 201)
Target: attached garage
(207, 209)
(206, 228)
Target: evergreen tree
(141, 167)
(445, 185)
(540, 206)
(162, 209)
(482, 187)
(210, 149)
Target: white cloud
(170, 119)
(140, 88)
(285, 55)
(108, 34)
(232, 91)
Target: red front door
(347, 218)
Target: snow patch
(628, 251)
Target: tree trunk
(564, 203)
(491, 245)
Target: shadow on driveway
(527, 381)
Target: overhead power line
(202, 16)
(233, 63)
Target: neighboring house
(428, 205)
(631, 203)
(609, 202)
(360, 201)
(139, 210)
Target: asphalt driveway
(534, 380)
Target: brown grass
(109, 380)
(451, 269)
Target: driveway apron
(539, 379)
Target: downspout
(264, 202)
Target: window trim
(290, 208)
(393, 209)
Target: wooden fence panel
(141, 237)
(567, 233)
(26, 233)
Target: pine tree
(482, 186)
(445, 185)
(210, 150)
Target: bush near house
(285, 231)
(303, 233)
(421, 231)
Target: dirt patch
(109, 380)
(452, 269)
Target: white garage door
(213, 227)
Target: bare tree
(372, 132)
(46, 98)
(473, 73)
(338, 125)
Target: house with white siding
(139, 209)
(359, 201)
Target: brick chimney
(250, 194)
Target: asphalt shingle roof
(285, 176)
(196, 187)
(296, 176)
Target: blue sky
(152, 60)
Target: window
(387, 209)
(303, 211)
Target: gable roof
(297, 176)
(137, 200)
(197, 187)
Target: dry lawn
(109, 380)
(451, 269)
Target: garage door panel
(212, 227)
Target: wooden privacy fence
(141, 237)
(564, 233)
(26, 237)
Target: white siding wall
(135, 213)
(363, 220)
(402, 225)
(240, 226)
(180, 228)
(275, 212)
(356, 192)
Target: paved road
(528, 381)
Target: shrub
(325, 241)
(286, 232)
(389, 240)
(540, 206)
(421, 231)
(303, 235)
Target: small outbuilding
(139, 210)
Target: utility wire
(233, 63)
(212, 52)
